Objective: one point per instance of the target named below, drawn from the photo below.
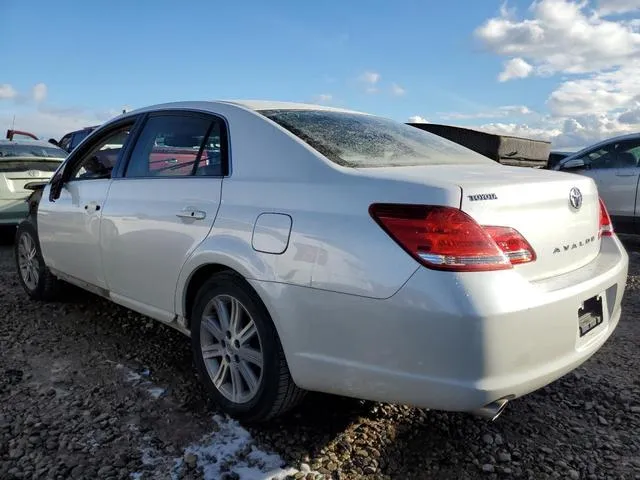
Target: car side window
(77, 138)
(627, 154)
(100, 160)
(177, 146)
(601, 158)
(65, 141)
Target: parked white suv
(310, 248)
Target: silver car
(303, 247)
(614, 164)
(23, 162)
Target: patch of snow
(229, 448)
(232, 446)
(133, 376)
(156, 392)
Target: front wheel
(238, 353)
(35, 277)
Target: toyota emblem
(575, 198)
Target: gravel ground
(92, 390)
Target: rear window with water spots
(360, 140)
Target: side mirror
(574, 163)
(56, 186)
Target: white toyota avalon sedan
(307, 248)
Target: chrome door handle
(192, 213)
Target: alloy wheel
(231, 349)
(28, 261)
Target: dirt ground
(92, 390)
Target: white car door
(161, 206)
(69, 222)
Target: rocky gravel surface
(92, 390)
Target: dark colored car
(72, 139)
(555, 157)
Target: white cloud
(515, 68)
(563, 36)
(594, 52)
(34, 114)
(397, 90)
(630, 117)
(44, 125)
(7, 92)
(323, 98)
(570, 133)
(520, 130)
(597, 93)
(500, 112)
(370, 78)
(417, 119)
(39, 92)
(613, 7)
(53, 122)
(515, 110)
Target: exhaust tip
(492, 410)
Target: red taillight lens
(606, 227)
(446, 238)
(514, 245)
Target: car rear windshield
(27, 151)
(21, 165)
(360, 140)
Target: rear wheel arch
(196, 280)
(201, 275)
(47, 287)
(276, 391)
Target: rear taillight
(446, 238)
(606, 227)
(514, 245)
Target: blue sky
(413, 58)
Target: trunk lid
(16, 173)
(533, 201)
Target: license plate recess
(590, 315)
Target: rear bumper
(13, 211)
(447, 341)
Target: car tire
(225, 355)
(35, 277)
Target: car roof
(38, 143)
(619, 138)
(254, 105)
(92, 127)
(257, 105)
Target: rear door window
(177, 145)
